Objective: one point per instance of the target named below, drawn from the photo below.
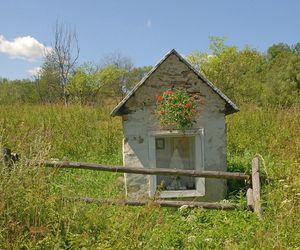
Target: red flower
(187, 105)
(159, 98)
(175, 108)
(168, 92)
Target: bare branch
(64, 54)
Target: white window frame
(199, 163)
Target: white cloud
(149, 24)
(26, 47)
(34, 71)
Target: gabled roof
(230, 106)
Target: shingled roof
(230, 107)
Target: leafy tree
(118, 76)
(84, 85)
(112, 82)
(296, 49)
(48, 82)
(236, 73)
(135, 75)
(278, 49)
(18, 91)
(283, 76)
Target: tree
(64, 55)
(235, 72)
(112, 82)
(117, 60)
(277, 49)
(17, 91)
(217, 45)
(118, 75)
(283, 75)
(84, 85)
(296, 49)
(48, 81)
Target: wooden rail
(158, 203)
(8, 157)
(148, 171)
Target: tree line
(246, 75)
(270, 78)
(88, 84)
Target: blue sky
(142, 30)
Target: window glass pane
(175, 152)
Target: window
(175, 149)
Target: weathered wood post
(250, 201)
(8, 157)
(6, 154)
(256, 187)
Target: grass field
(33, 216)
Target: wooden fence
(253, 192)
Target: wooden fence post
(250, 201)
(256, 187)
(8, 157)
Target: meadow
(34, 216)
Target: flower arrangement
(175, 109)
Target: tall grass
(33, 215)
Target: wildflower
(194, 110)
(159, 98)
(168, 92)
(187, 105)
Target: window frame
(199, 163)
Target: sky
(139, 29)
